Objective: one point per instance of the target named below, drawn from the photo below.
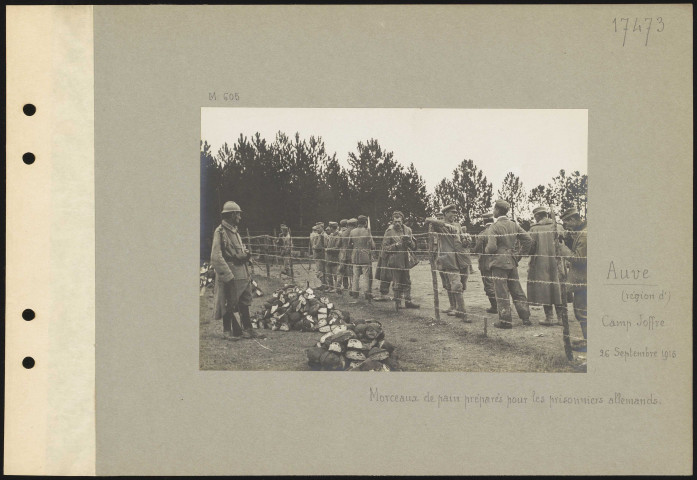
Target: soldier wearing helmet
(233, 290)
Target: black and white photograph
(393, 240)
(400, 190)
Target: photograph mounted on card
(393, 239)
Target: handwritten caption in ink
(507, 400)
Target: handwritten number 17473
(624, 25)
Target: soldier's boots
(503, 324)
(227, 334)
(354, 294)
(450, 311)
(368, 296)
(234, 333)
(493, 308)
(461, 312)
(397, 303)
(227, 325)
(410, 304)
(549, 316)
(246, 321)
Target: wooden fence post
(275, 247)
(561, 280)
(289, 249)
(266, 256)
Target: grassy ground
(423, 344)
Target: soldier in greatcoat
(575, 250)
(233, 290)
(504, 265)
(543, 270)
(451, 258)
(285, 247)
(317, 244)
(396, 243)
(345, 269)
(332, 255)
(484, 261)
(362, 246)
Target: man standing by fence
(285, 248)
(343, 233)
(484, 261)
(233, 291)
(452, 259)
(332, 255)
(362, 245)
(543, 271)
(397, 260)
(317, 244)
(504, 265)
(345, 269)
(443, 277)
(576, 249)
(310, 252)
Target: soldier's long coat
(543, 265)
(451, 250)
(230, 264)
(577, 253)
(394, 254)
(362, 244)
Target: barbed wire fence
(269, 253)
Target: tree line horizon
(296, 181)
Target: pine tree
(468, 188)
(513, 192)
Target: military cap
(333, 224)
(540, 209)
(571, 211)
(447, 208)
(502, 204)
(283, 225)
(362, 218)
(488, 216)
(439, 214)
(397, 213)
(353, 221)
(343, 222)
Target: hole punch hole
(28, 363)
(28, 314)
(28, 158)
(29, 109)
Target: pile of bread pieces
(346, 343)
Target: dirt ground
(423, 344)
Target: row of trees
(298, 182)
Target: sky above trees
(532, 144)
